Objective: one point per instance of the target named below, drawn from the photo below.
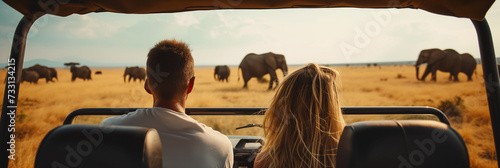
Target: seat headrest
(100, 146)
(401, 144)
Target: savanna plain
(44, 106)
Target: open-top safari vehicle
(379, 143)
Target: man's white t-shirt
(186, 143)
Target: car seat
(100, 146)
(401, 144)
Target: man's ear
(146, 86)
(191, 85)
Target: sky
(325, 36)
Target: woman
(304, 122)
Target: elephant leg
(424, 76)
(432, 70)
(245, 85)
(434, 75)
(246, 78)
(426, 72)
(273, 79)
(456, 77)
(270, 84)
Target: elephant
(43, 72)
(468, 65)
(29, 76)
(254, 65)
(135, 73)
(437, 59)
(83, 72)
(53, 74)
(221, 73)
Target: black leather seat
(93, 146)
(401, 144)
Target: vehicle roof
(473, 9)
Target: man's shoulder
(214, 135)
(121, 119)
(210, 130)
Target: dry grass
(45, 105)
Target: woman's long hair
(304, 122)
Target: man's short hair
(170, 66)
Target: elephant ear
(271, 61)
(425, 55)
(436, 56)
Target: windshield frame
(16, 60)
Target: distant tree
(68, 64)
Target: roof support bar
(9, 107)
(490, 73)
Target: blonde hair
(304, 122)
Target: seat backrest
(401, 144)
(100, 146)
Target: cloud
(227, 21)
(213, 34)
(7, 32)
(231, 26)
(89, 27)
(186, 19)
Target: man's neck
(173, 104)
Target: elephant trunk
(416, 68)
(284, 68)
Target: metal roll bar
(16, 60)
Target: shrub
(452, 108)
(22, 117)
(400, 76)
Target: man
(186, 143)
